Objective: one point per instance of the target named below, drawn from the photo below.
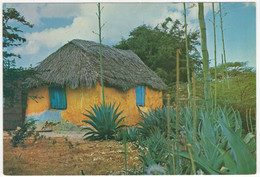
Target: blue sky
(56, 24)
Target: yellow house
(69, 82)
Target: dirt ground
(66, 153)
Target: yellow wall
(83, 97)
(78, 100)
(36, 106)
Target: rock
(119, 151)
(95, 159)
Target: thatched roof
(77, 63)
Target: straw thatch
(77, 63)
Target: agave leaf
(202, 164)
(248, 137)
(246, 164)
(228, 160)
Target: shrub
(23, 132)
(104, 121)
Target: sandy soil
(66, 153)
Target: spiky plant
(105, 122)
(156, 119)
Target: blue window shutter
(57, 97)
(140, 95)
(143, 95)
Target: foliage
(221, 142)
(153, 150)
(156, 120)
(24, 132)
(104, 121)
(219, 147)
(157, 48)
(12, 37)
(242, 92)
(132, 134)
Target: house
(69, 83)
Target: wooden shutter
(58, 97)
(140, 95)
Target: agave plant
(219, 147)
(156, 119)
(105, 122)
(153, 150)
(132, 134)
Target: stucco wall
(83, 97)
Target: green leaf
(245, 162)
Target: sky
(55, 24)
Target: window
(58, 97)
(140, 95)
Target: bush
(104, 121)
(24, 132)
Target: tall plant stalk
(222, 71)
(100, 53)
(168, 117)
(125, 149)
(205, 56)
(247, 125)
(223, 42)
(177, 89)
(177, 102)
(250, 119)
(187, 55)
(194, 108)
(173, 160)
(191, 159)
(215, 57)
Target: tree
(157, 48)
(11, 35)
(12, 76)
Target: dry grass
(44, 158)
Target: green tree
(12, 37)
(157, 48)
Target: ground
(67, 154)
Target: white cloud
(119, 20)
(34, 12)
